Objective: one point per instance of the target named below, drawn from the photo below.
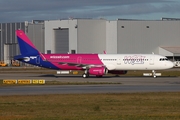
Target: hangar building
(120, 36)
(95, 36)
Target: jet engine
(99, 71)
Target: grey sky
(27, 10)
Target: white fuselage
(135, 62)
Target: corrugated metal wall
(8, 41)
(35, 32)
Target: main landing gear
(85, 75)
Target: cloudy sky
(28, 10)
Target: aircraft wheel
(85, 75)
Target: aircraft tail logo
(25, 45)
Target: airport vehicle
(15, 63)
(91, 64)
(3, 64)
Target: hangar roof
(174, 50)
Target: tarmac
(125, 84)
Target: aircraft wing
(80, 65)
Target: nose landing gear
(154, 73)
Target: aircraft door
(79, 59)
(118, 61)
(151, 60)
(38, 59)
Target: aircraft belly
(67, 67)
(110, 66)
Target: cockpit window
(163, 59)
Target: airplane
(91, 64)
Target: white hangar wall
(91, 36)
(111, 37)
(85, 35)
(146, 36)
(52, 25)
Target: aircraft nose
(170, 64)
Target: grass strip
(123, 106)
